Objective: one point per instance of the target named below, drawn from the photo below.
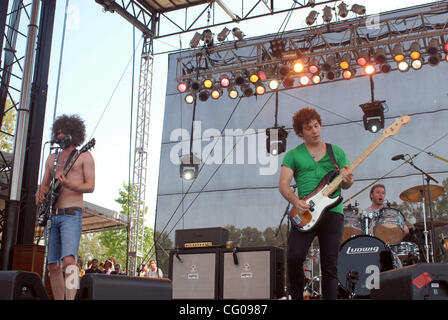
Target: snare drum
(389, 226)
(352, 223)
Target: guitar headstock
(396, 126)
(89, 145)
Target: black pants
(329, 232)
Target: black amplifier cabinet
(423, 281)
(194, 273)
(252, 273)
(200, 238)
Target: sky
(96, 81)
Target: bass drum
(356, 256)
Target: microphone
(398, 157)
(62, 141)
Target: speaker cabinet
(21, 285)
(194, 273)
(252, 273)
(423, 281)
(115, 287)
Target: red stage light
(362, 61)
(224, 81)
(313, 69)
(182, 87)
(262, 75)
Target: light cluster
(296, 70)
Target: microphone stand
(285, 260)
(48, 227)
(428, 179)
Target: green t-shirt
(308, 173)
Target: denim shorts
(65, 235)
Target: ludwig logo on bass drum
(362, 250)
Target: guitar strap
(70, 158)
(331, 154)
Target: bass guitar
(320, 198)
(51, 197)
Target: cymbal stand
(428, 244)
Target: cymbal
(437, 223)
(414, 194)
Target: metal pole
(10, 236)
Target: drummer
(377, 196)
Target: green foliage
(8, 127)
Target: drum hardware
(424, 193)
(352, 279)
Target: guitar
(51, 198)
(320, 198)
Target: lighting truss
(355, 36)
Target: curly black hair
(72, 125)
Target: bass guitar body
(318, 202)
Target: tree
(8, 127)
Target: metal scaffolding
(138, 188)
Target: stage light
(239, 79)
(398, 52)
(434, 59)
(347, 74)
(363, 58)
(233, 93)
(298, 66)
(416, 64)
(216, 93)
(276, 140)
(207, 37)
(254, 77)
(446, 57)
(342, 10)
(208, 83)
(260, 89)
(331, 75)
(385, 68)
(277, 46)
(288, 82)
(247, 91)
(224, 81)
(316, 79)
(304, 80)
(222, 36)
(415, 51)
(329, 63)
(445, 47)
(189, 166)
(369, 69)
(345, 61)
(433, 50)
(283, 70)
(403, 66)
(380, 56)
(204, 95)
(274, 84)
(313, 67)
(182, 87)
(189, 98)
(262, 75)
(358, 9)
(311, 18)
(195, 40)
(195, 85)
(373, 117)
(237, 33)
(433, 46)
(326, 14)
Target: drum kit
(382, 239)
